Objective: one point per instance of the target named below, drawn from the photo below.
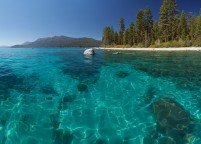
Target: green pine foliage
(155, 32)
(140, 26)
(121, 31)
(175, 27)
(131, 37)
(108, 36)
(168, 12)
(198, 26)
(126, 37)
(183, 26)
(197, 41)
(148, 20)
(116, 38)
(172, 29)
(191, 25)
(164, 21)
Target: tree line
(172, 29)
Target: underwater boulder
(8, 82)
(82, 87)
(172, 119)
(49, 98)
(63, 137)
(148, 140)
(122, 74)
(69, 97)
(98, 141)
(54, 119)
(65, 100)
(149, 94)
(48, 89)
(4, 95)
(84, 69)
(83, 72)
(166, 140)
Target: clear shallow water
(55, 96)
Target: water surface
(55, 96)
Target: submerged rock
(54, 119)
(172, 120)
(170, 65)
(84, 69)
(166, 140)
(3, 122)
(99, 141)
(89, 52)
(65, 100)
(84, 74)
(69, 97)
(4, 95)
(49, 98)
(149, 95)
(4, 140)
(48, 89)
(122, 74)
(148, 140)
(10, 81)
(63, 137)
(82, 87)
(87, 73)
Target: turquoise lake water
(59, 96)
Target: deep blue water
(58, 96)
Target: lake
(60, 96)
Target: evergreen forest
(173, 29)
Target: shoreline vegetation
(173, 29)
(152, 49)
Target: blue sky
(27, 20)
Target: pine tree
(104, 37)
(111, 36)
(155, 32)
(198, 26)
(173, 8)
(191, 25)
(108, 35)
(183, 26)
(175, 22)
(121, 31)
(116, 37)
(135, 36)
(140, 26)
(168, 11)
(197, 41)
(148, 20)
(164, 21)
(131, 38)
(173, 19)
(126, 37)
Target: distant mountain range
(60, 41)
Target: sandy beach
(154, 49)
